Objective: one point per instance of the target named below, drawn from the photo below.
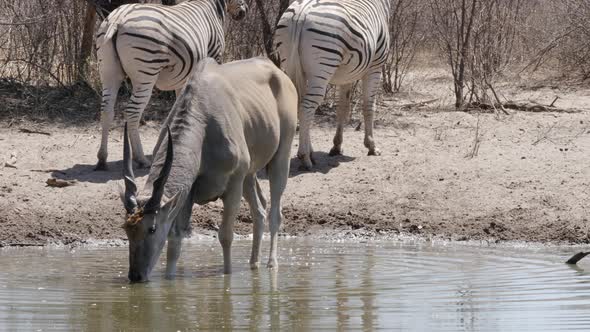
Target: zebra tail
(294, 67)
(111, 31)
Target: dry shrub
(40, 40)
(407, 34)
(575, 52)
(479, 40)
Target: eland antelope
(228, 122)
(155, 45)
(338, 42)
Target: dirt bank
(446, 174)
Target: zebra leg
(257, 212)
(107, 114)
(111, 76)
(371, 84)
(313, 97)
(166, 123)
(343, 112)
(137, 103)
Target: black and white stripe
(338, 42)
(155, 46)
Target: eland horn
(130, 201)
(154, 202)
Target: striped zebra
(155, 45)
(338, 42)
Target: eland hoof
(374, 152)
(272, 264)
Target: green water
(319, 285)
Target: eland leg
(342, 115)
(231, 205)
(278, 174)
(172, 255)
(252, 195)
(175, 236)
(371, 84)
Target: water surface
(319, 285)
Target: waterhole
(319, 285)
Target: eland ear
(153, 203)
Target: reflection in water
(341, 292)
(368, 290)
(343, 286)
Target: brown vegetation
(520, 176)
(47, 43)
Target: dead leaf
(58, 183)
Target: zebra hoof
(374, 152)
(305, 168)
(335, 152)
(306, 163)
(101, 165)
(143, 164)
(272, 264)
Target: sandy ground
(443, 174)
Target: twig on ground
(48, 171)
(476, 142)
(553, 102)
(33, 131)
(418, 104)
(544, 135)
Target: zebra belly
(344, 75)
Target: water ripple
(319, 285)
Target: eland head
(148, 220)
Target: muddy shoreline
(521, 185)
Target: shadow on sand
(86, 172)
(324, 163)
